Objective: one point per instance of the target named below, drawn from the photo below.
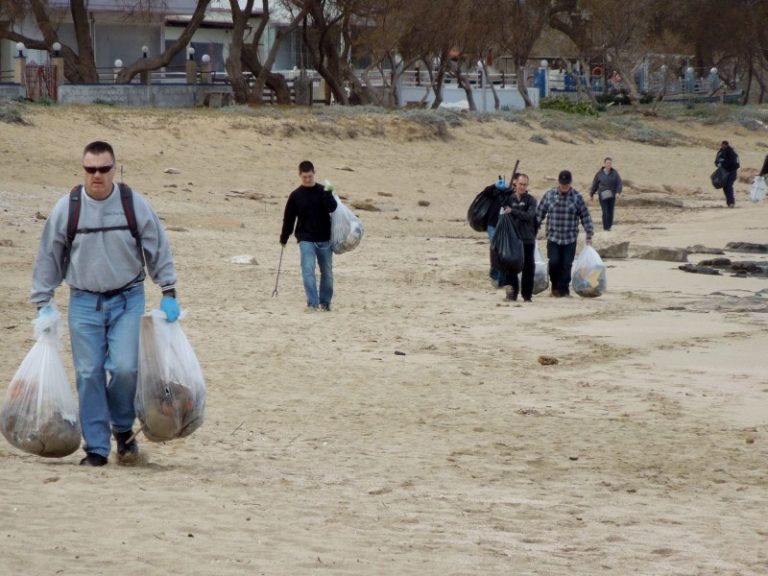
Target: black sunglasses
(99, 169)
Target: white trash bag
(39, 413)
(758, 189)
(588, 274)
(346, 228)
(170, 392)
(541, 272)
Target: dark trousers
(728, 188)
(560, 261)
(529, 267)
(607, 205)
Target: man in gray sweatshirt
(608, 187)
(104, 266)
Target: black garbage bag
(479, 210)
(719, 177)
(506, 247)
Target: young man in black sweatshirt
(311, 205)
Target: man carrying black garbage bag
(727, 160)
(563, 207)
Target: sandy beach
(412, 430)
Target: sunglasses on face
(99, 169)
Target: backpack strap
(72, 220)
(126, 198)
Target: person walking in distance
(608, 187)
(308, 210)
(99, 238)
(563, 208)
(727, 159)
(522, 207)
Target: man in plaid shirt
(563, 208)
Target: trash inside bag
(346, 229)
(170, 392)
(39, 414)
(540, 273)
(588, 274)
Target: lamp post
(117, 68)
(21, 64)
(58, 64)
(144, 74)
(191, 67)
(206, 69)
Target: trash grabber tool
(279, 265)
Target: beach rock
(697, 269)
(699, 249)
(716, 262)
(172, 171)
(750, 268)
(747, 247)
(244, 259)
(6, 242)
(663, 254)
(618, 250)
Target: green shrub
(565, 104)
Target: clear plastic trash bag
(170, 392)
(588, 277)
(540, 273)
(346, 229)
(757, 193)
(39, 414)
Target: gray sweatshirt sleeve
(157, 248)
(48, 274)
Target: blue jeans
(497, 275)
(560, 261)
(104, 332)
(320, 253)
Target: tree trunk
(84, 64)
(462, 81)
(522, 86)
(439, 81)
(264, 75)
(234, 64)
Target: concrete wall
(11, 92)
(161, 95)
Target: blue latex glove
(46, 310)
(500, 184)
(171, 308)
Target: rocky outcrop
(661, 253)
(617, 250)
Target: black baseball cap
(565, 177)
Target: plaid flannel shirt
(563, 213)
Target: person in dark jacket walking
(608, 187)
(728, 160)
(764, 169)
(311, 204)
(522, 207)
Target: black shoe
(127, 448)
(511, 293)
(325, 307)
(93, 459)
(526, 299)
